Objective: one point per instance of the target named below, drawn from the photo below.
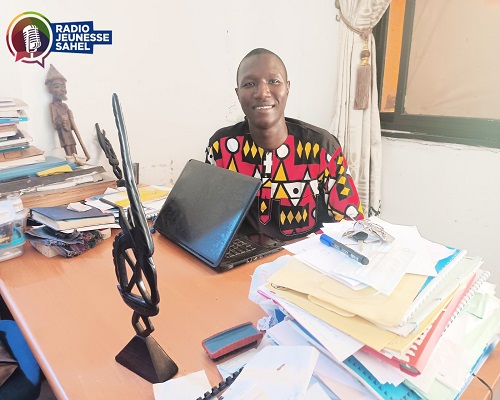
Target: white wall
(450, 192)
(173, 65)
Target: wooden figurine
(62, 117)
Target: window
(438, 63)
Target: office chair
(25, 382)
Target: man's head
(257, 51)
(262, 89)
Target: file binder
(223, 385)
(483, 277)
(383, 391)
(416, 357)
(448, 274)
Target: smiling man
(305, 178)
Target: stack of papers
(398, 326)
(152, 198)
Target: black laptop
(204, 213)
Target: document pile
(152, 198)
(51, 242)
(414, 323)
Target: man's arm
(341, 195)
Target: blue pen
(325, 239)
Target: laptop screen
(205, 209)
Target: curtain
(358, 126)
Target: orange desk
(75, 321)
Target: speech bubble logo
(29, 38)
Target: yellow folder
(366, 303)
(358, 328)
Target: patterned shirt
(305, 181)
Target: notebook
(203, 214)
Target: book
(48, 198)
(31, 170)
(12, 104)
(7, 130)
(20, 138)
(14, 154)
(62, 218)
(24, 184)
(14, 147)
(21, 118)
(146, 193)
(7, 101)
(17, 158)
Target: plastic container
(7, 217)
(20, 213)
(15, 247)
(11, 234)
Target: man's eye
(248, 84)
(275, 81)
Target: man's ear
(287, 87)
(237, 95)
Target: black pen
(325, 239)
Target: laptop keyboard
(238, 247)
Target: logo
(31, 37)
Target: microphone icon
(31, 37)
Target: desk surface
(75, 322)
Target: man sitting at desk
(305, 178)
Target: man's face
(262, 90)
(58, 89)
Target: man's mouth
(263, 107)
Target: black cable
(485, 384)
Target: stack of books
(69, 230)
(392, 329)
(15, 143)
(63, 217)
(41, 180)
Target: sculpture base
(146, 358)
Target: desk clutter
(417, 322)
(51, 242)
(72, 229)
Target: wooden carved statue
(136, 273)
(107, 147)
(62, 117)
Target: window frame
(444, 129)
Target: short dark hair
(257, 51)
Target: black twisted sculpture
(132, 252)
(107, 147)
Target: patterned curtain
(356, 120)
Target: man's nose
(262, 90)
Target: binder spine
(468, 296)
(425, 296)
